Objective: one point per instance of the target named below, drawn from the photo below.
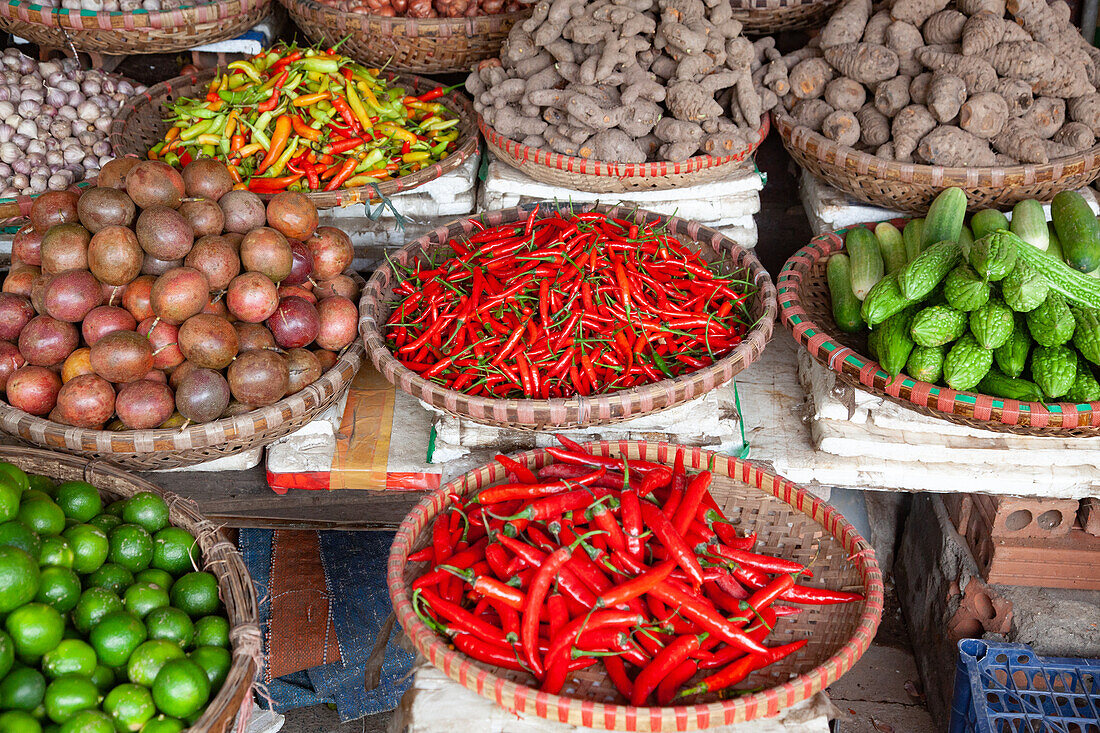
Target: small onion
(33, 95)
(88, 111)
(28, 109)
(51, 144)
(9, 153)
(91, 86)
(48, 68)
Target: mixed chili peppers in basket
(564, 304)
(596, 560)
(311, 120)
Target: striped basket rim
(412, 27)
(979, 410)
(104, 20)
(520, 698)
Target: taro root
(122, 356)
(154, 183)
(103, 207)
(259, 377)
(33, 389)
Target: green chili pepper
(196, 129)
(320, 64)
(172, 159)
(258, 135)
(208, 151)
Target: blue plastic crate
(1007, 688)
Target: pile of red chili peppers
(597, 560)
(565, 304)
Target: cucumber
(892, 247)
(866, 260)
(845, 303)
(1078, 230)
(912, 235)
(1029, 223)
(987, 221)
(1054, 245)
(945, 218)
(1076, 286)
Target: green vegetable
(911, 235)
(964, 289)
(937, 325)
(895, 343)
(1054, 245)
(1078, 230)
(1011, 356)
(994, 255)
(1029, 223)
(884, 300)
(966, 363)
(987, 221)
(945, 218)
(866, 260)
(926, 363)
(1077, 287)
(992, 323)
(966, 241)
(1024, 288)
(845, 304)
(1051, 324)
(1054, 369)
(997, 384)
(921, 276)
(1086, 336)
(1085, 387)
(892, 247)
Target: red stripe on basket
(867, 373)
(563, 710)
(920, 392)
(946, 401)
(893, 387)
(1040, 416)
(654, 718)
(983, 407)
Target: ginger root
(844, 93)
(951, 146)
(984, 115)
(946, 94)
(945, 26)
(864, 62)
(1086, 110)
(846, 24)
(874, 126)
(916, 11)
(977, 73)
(1020, 140)
(908, 128)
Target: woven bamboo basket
(598, 176)
(14, 210)
(150, 450)
(911, 187)
(530, 414)
(806, 309)
(762, 17)
(789, 522)
(220, 557)
(415, 45)
(140, 31)
(140, 125)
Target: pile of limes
(107, 624)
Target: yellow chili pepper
(250, 149)
(215, 106)
(368, 95)
(394, 131)
(280, 164)
(416, 156)
(248, 69)
(357, 107)
(206, 139)
(283, 127)
(307, 100)
(231, 124)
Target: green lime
(17, 721)
(45, 484)
(88, 721)
(181, 688)
(22, 689)
(115, 507)
(172, 625)
(56, 551)
(90, 547)
(93, 605)
(175, 550)
(70, 657)
(7, 654)
(58, 587)
(18, 578)
(16, 474)
(147, 510)
(155, 576)
(42, 516)
(9, 500)
(112, 577)
(163, 724)
(212, 631)
(104, 678)
(130, 706)
(196, 594)
(79, 500)
(116, 636)
(17, 534)
(141, 598)
(131, 547)
(35, 628)
(215, 661)
(146, 661)
(105, 521)
(69, 695)
(34, 495)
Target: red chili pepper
(667, 660)
(520, 471)
(343, 174)
(509, 492)
(673, 542)
(273, 101)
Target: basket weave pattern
(578, 411)
(415, 45)
(806, 309)
(117, 32)
(911, 187)
(140, 125)
(598, 176)
(790, 522)
(219, 554)
(147, 450)
(771, 16)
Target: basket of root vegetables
(610, 99)
(681, 589)
(773, 16)
(896, 105)
(990, 324)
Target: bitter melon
(966, 363)
(1054, 369)
(1051, 324)
(992, 323)
(964, 290)
(938, 325)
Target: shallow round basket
(806, 309)
(598, 176)
(139, 31)
(141, 124)
(14, 210)
(220, 557)
(789, 522)
(416, 45)
(761, 17)
(375, 306)
(911, 187)
(150, 450)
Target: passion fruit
(252, 297)
(243, 211)
(267, 251)
(65, 247)
(122, 357)
(253, 336)
(114, 255)
(294, 323)
(153, 266)
(341, 285)
(106, 319)
(339, 322)
(145, 404)
(259, 377)
(207, 178)
(53, 208)
(10, 360)
(71, 295)
(202, 395)
(85, 401)
(33, 389)
(138, 297)
(179, 294)
(304, 368)
(332, 252)
(16, 312)
(327, 358)
(204, 215)
(104, 207)
(46, 341)
(26, 246)
(154, 183)
(208, 341)
(164, 338)
(79, 362)
(287, 291)
(21, 279)
(302, 264)
(293, 214)
(164, 233)
(215, 258)
(113, 173)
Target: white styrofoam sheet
(237, 462)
